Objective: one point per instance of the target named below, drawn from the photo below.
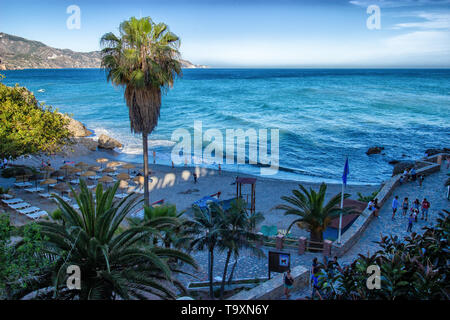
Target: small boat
(41, 90)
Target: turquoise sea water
(323, 115)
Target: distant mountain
(20, 53)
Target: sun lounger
(37, 215)
(12, 201)
(66, 199)
(33, 190)
(91, 186)
(6, 196)
(23, 184)
(95, 177)
(112, 174)
(18, 206)
(121, 195)
(29, 210)
(45, 195)
(75, 181)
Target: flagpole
(340, 215)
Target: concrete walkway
(433, 189)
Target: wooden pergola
(244, 181)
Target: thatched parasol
(109, 170)
(94, 168)
(139, 180)
(48, 169)
(123, 185)
(106, 179)
(114, 164)
(102, 161)
(81, 164)
(62, 187)
(123, 176)
(128, 166)
(48, 182)
(88, 174)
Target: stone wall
(273, 288)
(426, 166)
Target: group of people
(3, 163)
(413, 209)
(411, 175)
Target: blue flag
(346, 172)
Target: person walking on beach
(394, 207)
(425, 207)
(288, 282)
(220, 169)
(195, 177)
(405, 206)
(410, 223)
(421, 178)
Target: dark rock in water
(401, 166)
(403, 155)
(374, 150)
(434, 151)
(394, 162)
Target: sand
(176, 185)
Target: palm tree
(237, 234)
(171, 234)
(207, 226)
(313, 214)
(111, 259)
(145, 60)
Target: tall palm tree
(237, 234)
(207, 226)
(111, 259)
(312, 212)
(145, 60)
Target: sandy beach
(176, 185)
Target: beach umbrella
(81, 164)
(66, 168)
(88, 174)
(123, 176)
(106, 179)
(128, 166)
(109, 170)
(48, 182)
(102, 161)
(57, 173)
(61, 187)
(94, 168)
(114, 164)
(48, 169)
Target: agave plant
(113, 262)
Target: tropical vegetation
(144, 59)
(27, 127)
(312, 213)
(112, 260)
(414, 268)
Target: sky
(256, 33)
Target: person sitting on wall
(413, 174)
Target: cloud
(399, 3)
(431, 21)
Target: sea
(323, 116)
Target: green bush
(27, 127)
(363, 198)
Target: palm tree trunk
(222, 287)
(211, 269)
(230, 279)
(145, 149)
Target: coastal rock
(88, 143)
(76, 128)
(394, 162)
(106, 142)
(401, 166)
(434, 151)
(374, 150)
